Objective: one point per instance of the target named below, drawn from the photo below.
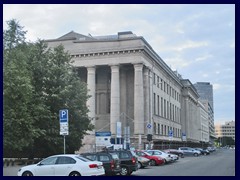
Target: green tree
(38, 82)
(18, 126)
(59, 86)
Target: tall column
(138, 100)
(89, 139)
(91, 85)
(115, 98)
(147, 117)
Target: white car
(64, 165)
(167, 157)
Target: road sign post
(63, 118)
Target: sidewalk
(11, 170)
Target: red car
(154, 160)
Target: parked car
(167, 157)
(128, 161)
(211, 149)
(154, 160)
(175, 151)
(142, 162)
(110, 160)
(64, 165)
(203, 151)
(189, 151)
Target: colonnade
(115, 96)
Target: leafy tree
(14, 35)
(38, 82)
(18, 125)
(225, 141)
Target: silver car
(190, 151)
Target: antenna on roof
(89, 35)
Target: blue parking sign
(63, 116)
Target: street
(219, 163)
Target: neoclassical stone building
(128, 83)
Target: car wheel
(165, 161)
(195, 154)
(153, 162)
(205, 154)
(74, 174)
(182, 156)
(139, 165)
(124, 171)
(27, 173)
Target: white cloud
(203, 58)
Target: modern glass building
(205, 90)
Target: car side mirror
(39, 164)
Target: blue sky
(196, 40)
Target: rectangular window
(161, 106)
(158, 128)
(158, 82)
(162, 129)
(170, 111)
(161, 84)
(154, 103)
(154, 128)
(164, 108)
(158, 105)
(167, 110)
(154, 78)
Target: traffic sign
(63, 118)
(149, 126)
(63, 115)
(170, 133)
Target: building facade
(226, 130)
(205, 91)
(130, 84)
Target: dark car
(175, 151)
(128, 161)
(203, 151)
(110, 160)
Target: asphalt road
(219, 163)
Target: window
(161, 106)
(154, 78)
(158, 104)
(155, 128)
(104, 158)
(154, 103)
(124, 155)
(165, 108)
(162, 129)
(65, 160)
(158, 81)
(161, 84)
(158, 128)
(49, 161)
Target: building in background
(226, 130)
(205, 91)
